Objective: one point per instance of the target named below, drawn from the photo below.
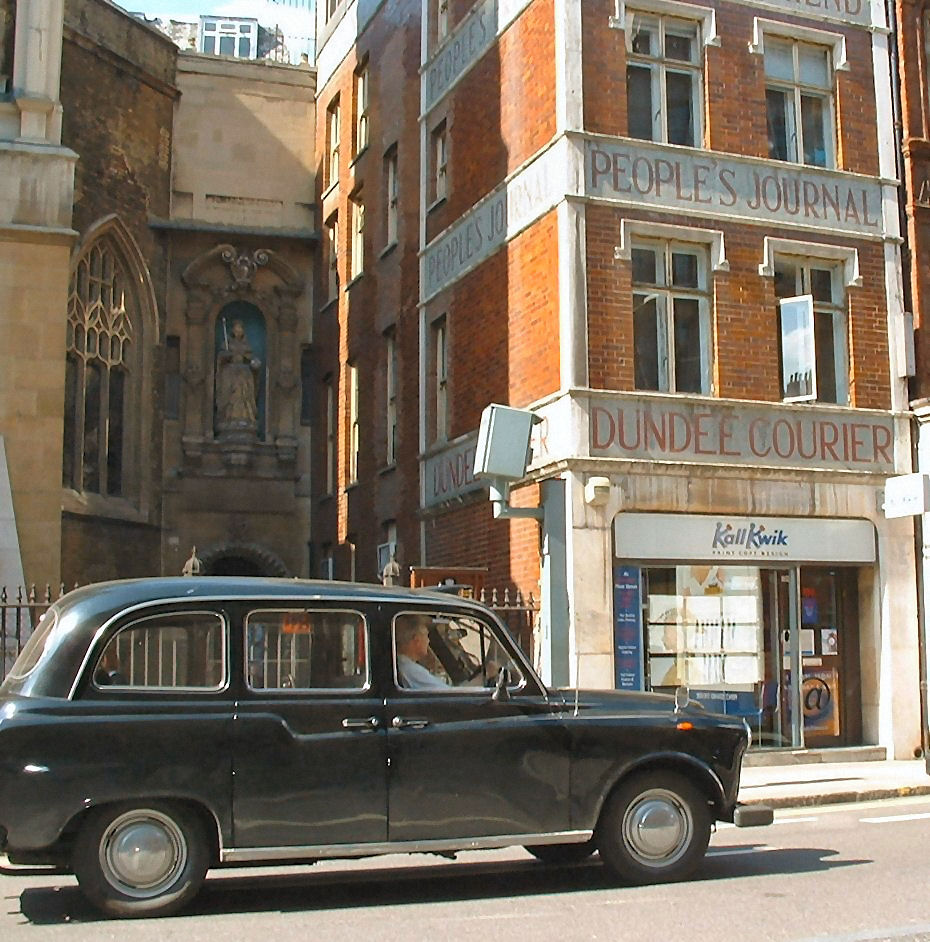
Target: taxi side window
(303, 649)
(182, 651)
(445, 650)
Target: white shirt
(416, 676)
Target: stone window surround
(706, 16)
(137, 504)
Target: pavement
(795, 780)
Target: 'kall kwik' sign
(762, 191)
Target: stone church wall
(118, 96)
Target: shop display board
(628, 628)
(707, 635)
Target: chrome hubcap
(142, 852)
(657, 828)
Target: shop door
(829, 644)
(810, 691)
(778, 723)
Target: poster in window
(799, 365)
(628, 629)
(820, 701)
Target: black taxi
(153, 729)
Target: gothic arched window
(102, 354)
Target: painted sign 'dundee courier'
(450, 473)
(767, 192)
(727, 433)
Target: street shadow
(460, 881)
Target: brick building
(670, 230)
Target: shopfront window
(737, 635)
(705, 628)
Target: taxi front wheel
(654, 828)
(141, 859)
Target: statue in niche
(236, 371)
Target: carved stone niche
(240, 386)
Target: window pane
(814, 66)
(687, 345)
(813, 114)
(797, 350)
(644, 267)
(91, 475)
(227, 45)
(822, 284)
(779, 121)
(786, 280)
(171, 651)
(645, 342)
(779, 59)
(685, 270)
(209, 44)
(639, 102)
(679, 93)
(71, 381)
(244, 47)
(642, 34)
(826, 356)
(442, 651)
(301, 650)
(681, 42)
(115, 432)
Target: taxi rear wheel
(654, 829)
(141, 860)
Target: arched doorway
(241, 559)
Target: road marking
(907, 933)
(738, 852)
(726, 826)
(896, 817)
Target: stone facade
(36, 194)
(103, 320)
(242, 240)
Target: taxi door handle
(367, 722)
(409, 722)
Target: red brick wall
(352, 328)
(734, 85)
(744, 318)
(915, 108)
(470, 536)
(500, 114)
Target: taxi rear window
(35, 647)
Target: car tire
(562, 854)
(654, 828)
(141, 860)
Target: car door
(309, 742)
(464, 763)
(153, 712)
